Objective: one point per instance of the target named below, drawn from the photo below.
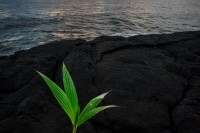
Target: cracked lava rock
(154, 78)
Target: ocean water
(28, 23)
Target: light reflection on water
(34, 22)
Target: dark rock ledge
(154, 78)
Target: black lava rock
(154, 78)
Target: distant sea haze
(28, 23)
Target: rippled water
(28, 23)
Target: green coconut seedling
(68, 100)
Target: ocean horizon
(28, 23)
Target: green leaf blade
(93, 103)
(70, 90)
(84, 117)
(61, 97)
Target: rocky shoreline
(154, 78)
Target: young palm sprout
(68, 100)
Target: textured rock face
(155, 79)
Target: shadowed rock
(154, 78)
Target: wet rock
(154, 78)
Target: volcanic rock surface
(154, 78)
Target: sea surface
(28, 23)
